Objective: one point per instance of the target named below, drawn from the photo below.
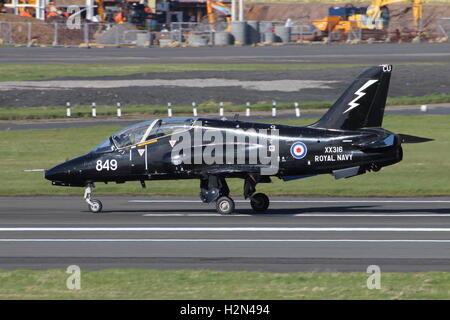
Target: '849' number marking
(107, 165)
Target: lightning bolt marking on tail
(359, 94)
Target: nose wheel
(94, 205)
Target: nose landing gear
(95, 206)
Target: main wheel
(225, 205)
(96, 206)
(259, 202)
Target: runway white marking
(228, 240)
(362, 201)
(172, 201)
(190, 215)
(221, 229)
(293, 215)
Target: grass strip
(207, 107)
(423, 171)
(226, 285)
(25, 72)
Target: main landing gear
(225, 205)
(214, 188)
(259, 202)
(94, 205)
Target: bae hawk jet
(347, 141)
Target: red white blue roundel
(299, 150)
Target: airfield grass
(206, 107)
(25, 72)
(211, 107)
(424, 171)
(183, 284)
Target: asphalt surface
(419, 69)
(297, 234)
(317, 53)
(309, 234)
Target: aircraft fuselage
(326, 152)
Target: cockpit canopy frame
(145, 131)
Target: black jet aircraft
(347, 141)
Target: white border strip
(172, 201)
(295, 215)
(230, 240)
(224, 229)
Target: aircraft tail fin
(362, 104)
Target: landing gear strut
(94, 205)
(259, 202)
(214, 188)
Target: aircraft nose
(57, 173)
(65, 171)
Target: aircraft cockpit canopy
(144, 131)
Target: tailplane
(406, 138)
(362, 104)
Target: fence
(46, 33)
(443, 29)
(63, 34)
(194, 33)
(407, 32)
(288, 108)
(277, 110)
(199, 34)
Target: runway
(319, 53)
(297, 234)
(319, 72)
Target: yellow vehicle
(374, 17)
(375, 12)
(217, 11)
